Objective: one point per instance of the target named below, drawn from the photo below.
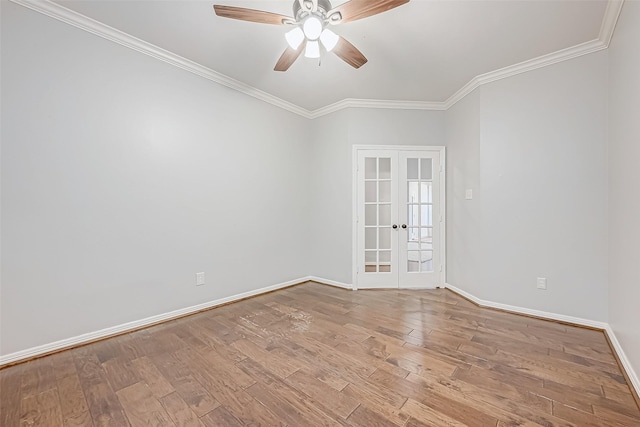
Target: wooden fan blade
(288, 57)
(349, 54)
(251, 15)
(358, 9)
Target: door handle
(404, 225)
(394, 226)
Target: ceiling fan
(310, 21)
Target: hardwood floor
(312, 355)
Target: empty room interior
(312, 212)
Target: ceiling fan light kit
(312, 50)
(294, 37)
(329, 39)
(310, 20)
(312, 27)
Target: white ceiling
(423, 51)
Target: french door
(399, 218)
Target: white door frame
(354, 202)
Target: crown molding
(68, 16)
(377, 103)
(61, 13)
(611, 15)
(523, 67)
(607, 29)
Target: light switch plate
(199, 279)
(541, 283)
(468, 194)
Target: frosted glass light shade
(312, 28)
(312, 50)
(329, 39)
(294, 37)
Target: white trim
(354, 216)
(61, 13)
(605, 327)
(377, 103)
(357, 147)
(611, 15)
(115, 330)
(523, 67)
(530, 312)
(626, 365)
(443, 226)
(68, 16)
(354, 202)
(329, 282)
(130, 326)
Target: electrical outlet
(468, 194)
(541, 283)
(199, 279)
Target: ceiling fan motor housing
(299, 13)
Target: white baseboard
(605, 327)
(130, 326)
(330, 282)
(529, 312)
(626, 365)
(137, 324)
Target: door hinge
(440, 269)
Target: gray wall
(330, 218)
(331, 203)
(624, 182)
(533, 149)
(466, 256)
(123, 176)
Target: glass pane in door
(426, 192)
(412, 169)
(385, 214)
(370, 217)
(370, 191)
(370, 168)
(384, 169)
(426, 169)
(384, 191)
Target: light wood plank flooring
(312, 355)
